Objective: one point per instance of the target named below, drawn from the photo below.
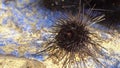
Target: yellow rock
(14, 62)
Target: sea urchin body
(72, 36)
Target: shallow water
(21, 24)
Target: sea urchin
(72, 41)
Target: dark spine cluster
(72, 42)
